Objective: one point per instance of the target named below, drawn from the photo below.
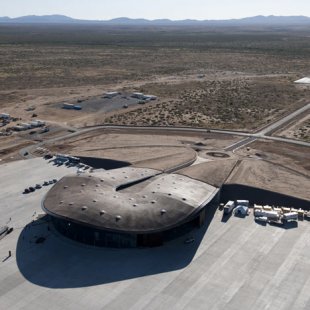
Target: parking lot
(237, 264)
(18, 175)
(107, 104)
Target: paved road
(274, 126)
(248, 137)
(264, 133)
(240, 144)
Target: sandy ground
(180, 158)
(261, 174)
(101, 140)
(185, 94)
(283, 154)
(10, 146)
(214, 172)
(298, 130)
(154, 157)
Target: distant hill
(275, 20)
(31, 19)
(256, 20)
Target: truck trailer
(291, 216)
(272, 215)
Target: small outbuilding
(5, 116)
(305, 80)
(111, 94)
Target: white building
(305, 80)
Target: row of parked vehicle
(266, 213)
(279, 215)
(38, 186)
(66, 160)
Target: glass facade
(97, 237)
(93, 236)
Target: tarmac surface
(232, 263)
(106, 104)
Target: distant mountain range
(256, 20)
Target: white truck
(291, 216)
(270, 215)
(230, 205)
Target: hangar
(127, 207)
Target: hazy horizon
(172, 20)
(161, 9)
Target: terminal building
(127, 207)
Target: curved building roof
(135, 200)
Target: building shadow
(288, 225)
(103, 163)
(226, 217)
(59, 262)
(261, 223)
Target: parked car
(48, 156)
(46, 129)
(38, 186)
(45, 183)
(54, 180)
(31, 189)
(26, 191)
(50, 182)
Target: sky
(155, 9)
